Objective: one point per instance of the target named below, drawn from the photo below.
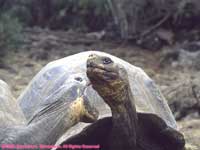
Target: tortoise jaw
(100, 70)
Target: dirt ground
(42, 46)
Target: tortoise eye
(107, 60)
(79, 79)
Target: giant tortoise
(37, 98)
(64, 108)
(126, 129)
(129, 129)
(148, 98)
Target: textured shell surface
(10, 112)
(43, 85)
(147, 96)
(58, 99)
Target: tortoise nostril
(91, 55)
(89, 64)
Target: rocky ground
(178, 79)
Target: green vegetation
(86, 14)
(10, 31)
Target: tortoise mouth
(91, 113)
(91, 116)
(96, 72)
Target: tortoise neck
(125, 122)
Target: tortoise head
(81, 107)
(83, 111)
(69, 99)
(108, 79)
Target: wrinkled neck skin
(124, 123)
(45, 128)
